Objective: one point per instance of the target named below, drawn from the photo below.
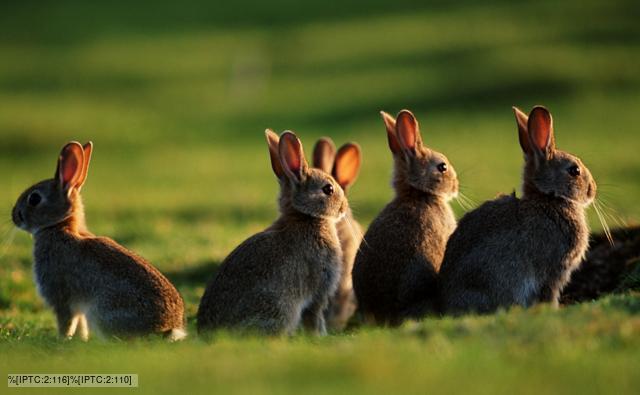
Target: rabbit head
(310, 191)
(417, 166)
(547, 170)
(53, 201)
(344, 165)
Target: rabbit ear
(70, 166)
(390, 124)
(272, 142)
(523, 134)
(347, 165)
(292, 157)
(87, 150)
(408, 132)
(324, 153)
(540, 127)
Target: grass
(176, 98)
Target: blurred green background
(176, 96)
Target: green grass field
(176, 99)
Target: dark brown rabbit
(92, 283)
(283, 276)
(395, 270)
(512, 251)
(344, 167)
(607, 268)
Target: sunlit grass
(176, 102)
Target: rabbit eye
(34, 199)
(328, 189)
(574, 170)
(442, 167)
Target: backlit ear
(523, 134)
(292, 157)
(70, 164)
(408, 132)
(540, 127)
(390, 124)
(273, 144)
(87, 150)
(347, 166)
(324, 153)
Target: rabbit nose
(17, 217)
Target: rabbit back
(267, 282)
(510, 252)
(119, 292)
(396, 268)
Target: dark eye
(574, 170)
(442, 167)
(328, 189)
(34, 199)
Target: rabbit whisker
(356, 232)
(605, 227)
(5, 229)
(7, 241)
(607, 185)
(462, 203)
(611, 213)
(613, 216)
(468, 202)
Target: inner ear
(347, 166)
(324, 153)
(70, 165)
(408, 132)
(540, 127)
(292, 157)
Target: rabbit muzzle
(591, 193)
(18, 218)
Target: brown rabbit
(344, 167)
(394, 274)
(607, 268)
(512, 251)
(91, 282)
(284, 275)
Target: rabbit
(344, 167)
(282, 277)
(521, 251)
(92, 283)
(395, 270)
(606, 268)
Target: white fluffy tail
(176, 334)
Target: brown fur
(606, 267)
(282, 277)
(512, 251)
(395, 270)
(91, 282)
(344, 168)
